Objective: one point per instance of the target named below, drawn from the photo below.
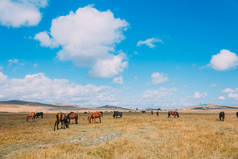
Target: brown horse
(174, 113)
(151, 112)
(61, 118)
(31, 115)
(237, 114)
(157, 113)
(92, 117)
(73, 115)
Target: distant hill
(27, 106)
(113, 107)
(211, 107)
(20, 102)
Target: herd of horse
(64, 119)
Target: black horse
(222, 116)
(143, 111)
(39, 114)
(117, 114)
(237, 114)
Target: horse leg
(27, 118)
(56, 124)
(100, 119)
(76, 120)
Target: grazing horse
(151, 112)
(31, 115)
(157, 113)
(92, 117)
(61, 118)
(237, 114)
(117, 114)
(174, 113)
(222, 116)
(39, 114)
(143, 111)
(73, 115)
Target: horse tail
(177, 114)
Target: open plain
(194, 135)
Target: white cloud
(45, 40)
(158, 78)
(18, 13)
(3, 77)
(13, 61)
(228, 90)
(199, 95)
(109, 67)
(38, 87)
(224, 60)
(118, 80)
(233, 95)
(149, 42)
(88, 38)
(221, 98)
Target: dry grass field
(135, 136)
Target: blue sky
(135, 54)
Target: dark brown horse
(174, 113)
(117, 114)
(73, 115)
(157, 113)
(61, 118)
(237, 114)
(151, 112)
(39, 114)
(31, 115)
(222, 116)
(92, 117)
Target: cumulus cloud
(16, 13)
(158, 78)
(45, 40)
(3, 77)
(231, 93)
(149, 42)
(228, 90)
(221, 98)
(38, 87)
(200, 95)
(88, 37)
(224, 60)
(118, 80)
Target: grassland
(135, 136)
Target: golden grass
(135, 136)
